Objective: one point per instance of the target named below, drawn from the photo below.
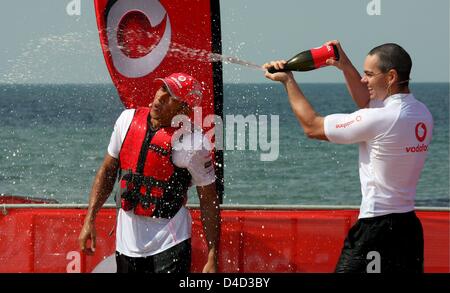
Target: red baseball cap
(183, 87)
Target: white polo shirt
(139, 236)
(393, 137)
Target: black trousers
(176, 259)
(397, 239)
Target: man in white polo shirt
(155, 170)
(393, 131)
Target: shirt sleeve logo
(347, 124)
(421, 131)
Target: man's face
(165, 107)
(374, 78)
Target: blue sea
(54, 137)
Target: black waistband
(411, 214)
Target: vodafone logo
(137, 39)
(421, 131)
(347, 124)
(421, 134)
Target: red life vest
(149, 181)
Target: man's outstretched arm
(311, 122)
(356, 88)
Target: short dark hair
(393, 56)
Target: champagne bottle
(309, 60)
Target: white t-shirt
(139, 236)
(393, 137)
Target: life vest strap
(158, 149)
(139, 180)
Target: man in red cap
(155, 171)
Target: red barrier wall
(45, 240)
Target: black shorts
(176, 259)
(396, 240)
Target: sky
(43, 44)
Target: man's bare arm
(101, 189)
(210, 217)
